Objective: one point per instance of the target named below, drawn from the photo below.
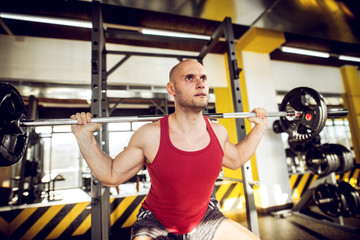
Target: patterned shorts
(147, 225)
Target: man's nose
(200, 84)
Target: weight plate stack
(347, 161)
(334, 160)
(329, 158)
(321, 162)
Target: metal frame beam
(100, 195)
(219, 32)
(234, 72)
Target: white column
(270, 154)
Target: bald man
(184, 153)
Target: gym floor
(295, 227)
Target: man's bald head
(175, 70)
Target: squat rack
(100, 209)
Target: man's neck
(188, 122)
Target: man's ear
(170, 88)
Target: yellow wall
(351, 99)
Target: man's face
(190, 86)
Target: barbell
(303, 115)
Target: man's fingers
(260, 112)
(88, 117)
(82, 118)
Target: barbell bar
(148, 118)
(144, 118)
(303, 115)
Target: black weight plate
(328, 199)
(314, 113)
(12, 145)
(352, 199)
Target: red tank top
(182, 181)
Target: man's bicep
(132, 159)
(127, 163)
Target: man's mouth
(200, 95)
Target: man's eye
(203, 78)
(189, 77)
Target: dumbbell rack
(301, 209)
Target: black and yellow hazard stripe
(69, 220)
(64, 221)
(352, 176)
(230, 195)
(300, 183)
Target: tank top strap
(208, 126)
(164, 129)
(212, 134)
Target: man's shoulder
(146, 134)
(217, 126)
(153, 126)
(149, 129)
(219, 130)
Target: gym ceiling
(331, 26)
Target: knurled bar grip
(69, 121)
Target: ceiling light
(173, 34)
(48, 20)
(305, 52)
(349, 58)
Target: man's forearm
(99, 163)
(249, 144)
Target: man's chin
(199, 108)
